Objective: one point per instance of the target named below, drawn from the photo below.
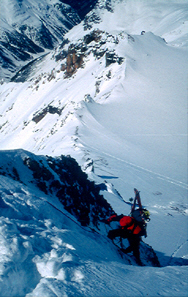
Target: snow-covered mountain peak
(107, 63)
(30, 13)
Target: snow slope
(123, 116)
(45, 251)
(167, 19)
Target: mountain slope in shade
(29, 28)
(82, 7)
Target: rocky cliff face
(72, 56)
(97, 42)
(61, 177)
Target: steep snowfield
(125, 122)
(44, 246)
(44, 253)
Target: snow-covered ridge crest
(60, 68)
(167, 19)
(105, 61)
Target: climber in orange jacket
(130, 229)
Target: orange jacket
(126, 222)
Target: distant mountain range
(31, 28)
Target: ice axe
(131, 200)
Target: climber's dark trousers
(134, 240)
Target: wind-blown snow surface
(126, 124)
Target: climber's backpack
(141, 216)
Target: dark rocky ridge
(74, 55)
(61, 177)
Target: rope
(92, 230)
